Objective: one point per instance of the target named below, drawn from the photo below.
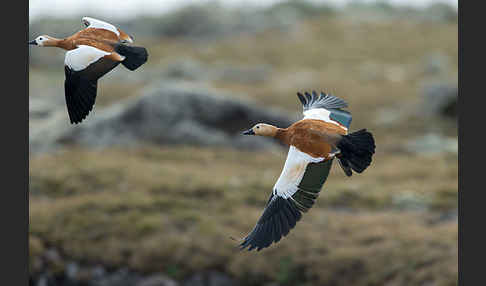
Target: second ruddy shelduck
(314, 141)
(91, 53)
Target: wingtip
(301, 98)
(313, 99)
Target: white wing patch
(321, 114)
(80, 58)
(293, 172)
(94, 23)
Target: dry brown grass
(156, 209)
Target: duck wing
(294, 192)
(325, 107)
(89, 22)
(328, 108)
(83, 67)
(98, 24)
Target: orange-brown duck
(91, 53)
(314, 141)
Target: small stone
(52, 255)
(219, 279)
(195, 280)
(436, 64)
(157, 280)
(98, 272)
(409, 201)
(121, 277)
(72, 270)
(42, 281)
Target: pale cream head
(262, 129)
(44, 41)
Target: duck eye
(258, 127)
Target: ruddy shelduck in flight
(314, 141)
(91, 53)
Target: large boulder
(167, 113)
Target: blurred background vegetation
(150, 188)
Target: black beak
(249, 132)
(33, 42)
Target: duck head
(262, 129)
(44, 41)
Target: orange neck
(66, 44)
(283, 135)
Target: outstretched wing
(325, 107)
(83, 67)
(98, 24)
(295, 192)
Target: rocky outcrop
(166, 113)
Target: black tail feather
(345, 166)
(356, 149)
(134, 56)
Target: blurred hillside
(149, 189)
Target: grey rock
(98, 272)
(157, 280)
(440, 99)
(432, 144)
(71, 271)
(165, 114)
(42, 281)
(441, 12)
(409, 201)
(436, 64)
(195, 280)
(219, 279)
(121, 277)
(37, 266)
(52, 256)
(443, 217)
